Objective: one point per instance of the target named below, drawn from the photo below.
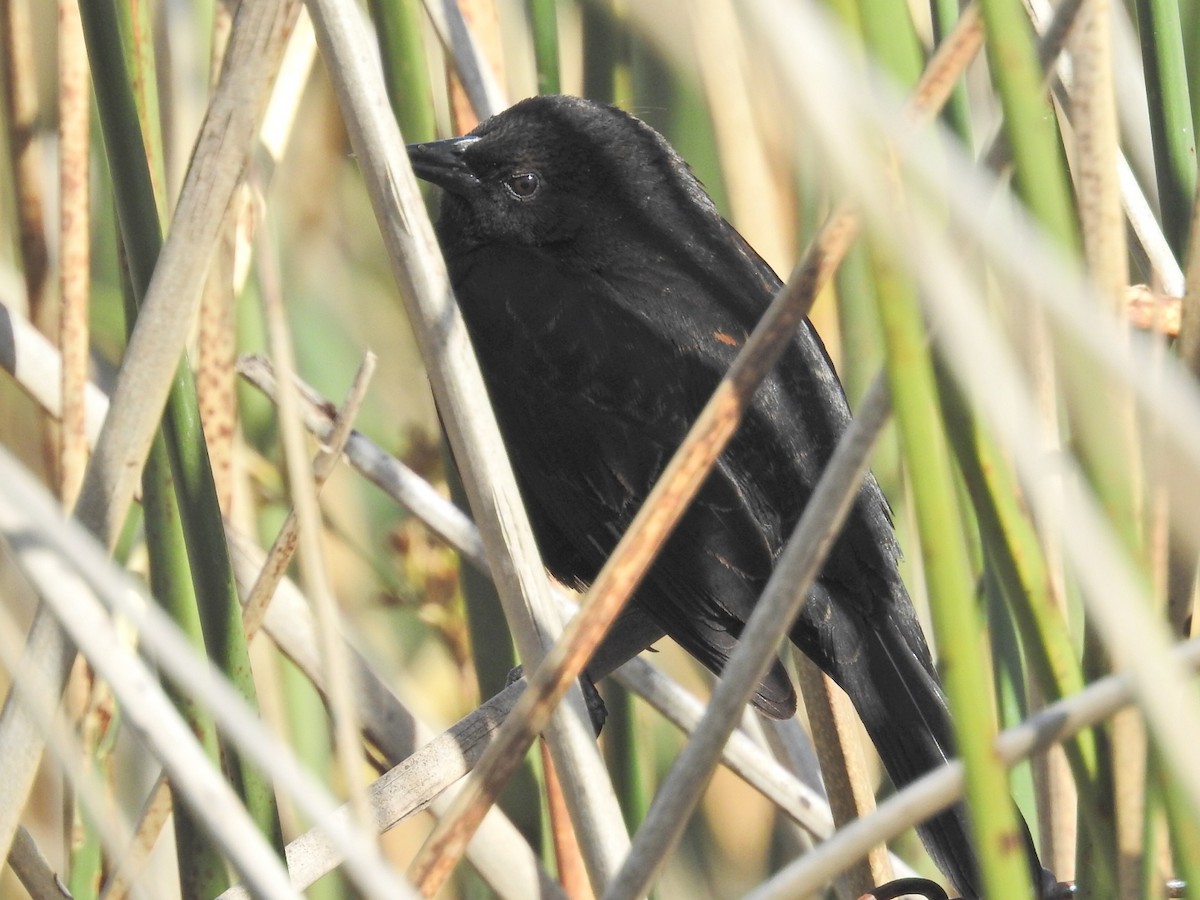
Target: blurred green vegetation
(417, 614)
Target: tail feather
(904, 711)
(909, 724)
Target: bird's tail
(909, 723)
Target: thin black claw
(1053, 889)
(595, 703)
(921, 887)
(515, 674)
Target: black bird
(605, 297)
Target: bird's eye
(523, 185)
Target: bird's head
(554, 172)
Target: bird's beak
(442, 163)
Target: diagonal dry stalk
(776, 609)
(279, 556)
(467, 416)
(87, 593)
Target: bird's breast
(540, 325)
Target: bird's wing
(703, 586)
(794, 424)
(594, 399)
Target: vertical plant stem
(1184, 830)
(494, 658)
(74, 109)
(336, 668)
(625, 749)
(1113, 467)
(606, 53)
(543, 18)
(1171, 127)
(835, 733)
(135, 21)
(399, 26)
(962, 649)
(477, 20)
(220, 611)
(1189, 324)
(201, 867)
(21, 113)
(1042, 182)
(1022, 574)
(84, 866)
(957, 114)
(571, 870)
(1040, 170)
(759, 196)
(215, 358)
(156, 809)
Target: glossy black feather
(606, 297)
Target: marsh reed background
(1021, 265)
